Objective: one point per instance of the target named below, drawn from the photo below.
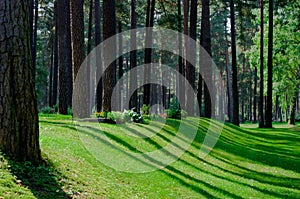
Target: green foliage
(145, 109)
(47, 110)
(55, 108)
(174, 110)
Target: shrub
(145, 109)
(55, 108)
(174, 110)
(47, 110)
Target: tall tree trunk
(65, 57)
(109, 29)
(180, 86)
(90, 72)
(192, 54)
(261, 89)
(78, 54)
(292, 120)
(19, 127)
(235, 92)
(148, 52)
(99, 87)
(205, 42)
(34, 44)
(255, 96)
(133, 75)
(229, 86)
(51, 75)
(120, 72)
(270, 67)
(55, 57)
(186, 32)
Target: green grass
(245, 163)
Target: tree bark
(148, 51)
(292, 119)
(205, 42)
(78, 54)
(55, 57)
(34, 43)
(90, 73)
(235, 92)
(192, 54)
(261, 89)
(99, 88)
(19, 128)
(180, 86)
(255, 96)
(120, 71)
(109, 29)
(65, 57)
(186, 32)
(133, 75)
(270, 67)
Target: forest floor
(246, 162)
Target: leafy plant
(47, 110)
(145, 109)
(174, 109)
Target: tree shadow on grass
(41, 180)
(200, 187)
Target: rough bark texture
(19, 130)
(270, 67)
(109, 29)
(235, 92)
(65, 57)
(78, 54)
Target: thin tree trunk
(235, 92)
(133, 75)
(180, 86)
(90, 72)
(270, 67)
(292, 120)
(120, 72)
(190, 68)
(255, 96)
(186, 32)
(261, 90)
(19, 127)
(55, 58)
(34, 44)
(51, 76)
(99, 86)
(148, 52)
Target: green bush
(55, 108)
(174, 110)
(145, 109)
(47, 110)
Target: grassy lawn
(246, 162)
